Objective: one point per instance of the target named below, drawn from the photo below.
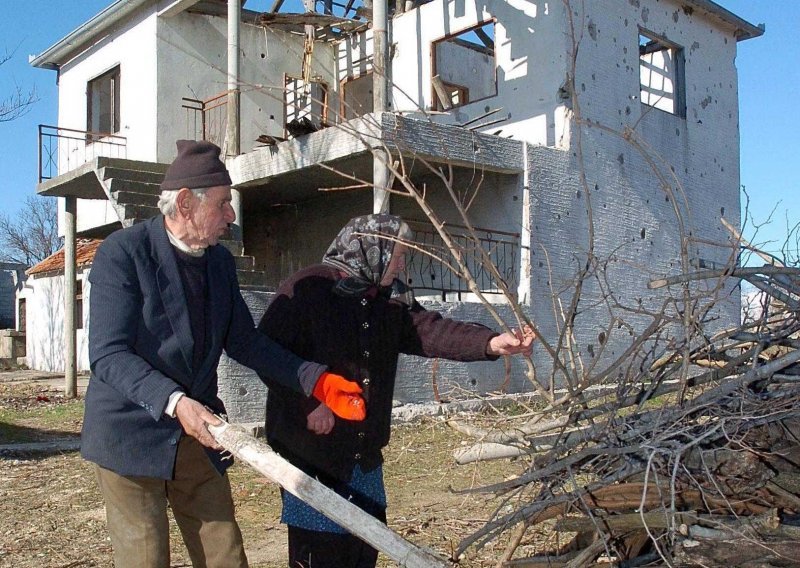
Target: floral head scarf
(363, 250)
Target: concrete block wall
(245, 395)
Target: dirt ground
(51, 514)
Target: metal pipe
(233, 133)
(70, 274)
(380, 102)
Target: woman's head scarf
(363, 250)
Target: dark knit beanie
(197, 166)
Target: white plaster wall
(531, 63)
(192, 62)
(466, 67)
(132, 47)
(702, 149)
(44, 339)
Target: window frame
(660, 43)
(462, 89)
(95, 129)
(322, 120)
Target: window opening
(306, 101)
(464, 67)
(102, 98)
(357, 96)
(661, 74)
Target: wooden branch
(487, 451)
(657, 519)
(366, 527)
(769, 259)
(441, 92)
(740, 272)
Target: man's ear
(184, 201)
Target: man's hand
(320, 420)
(193, 416)
(512, 344)
(343, 397)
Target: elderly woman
(351, 313)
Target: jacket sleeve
(428, 334)
(116, 313)
(273, 362)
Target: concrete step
(251, 278)
(130, 198)
(139, 166)
(132, 186)
(131, 175)
(236, 247)
(244, 262)
(133, 212)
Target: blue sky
(769, 85)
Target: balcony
(64, 149)
(207, 119)
(426, 273)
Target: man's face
(211, 216)
(396, 265)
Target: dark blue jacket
(140, 350)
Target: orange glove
(341, 396)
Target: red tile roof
(85, 250)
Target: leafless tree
(31, 235)
(19, 101)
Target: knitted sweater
(359, 338)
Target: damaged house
(475, 96)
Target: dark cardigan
(359, 338)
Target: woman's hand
(320, 420)
(508, 344)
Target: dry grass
(51, 514)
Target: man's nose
(230, 214)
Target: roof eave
(85, 35)
(743, 29)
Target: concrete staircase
(133, 189)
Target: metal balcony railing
(425, 272)
(63, 149)
(207, 119)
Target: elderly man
(165, 302)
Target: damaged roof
(98, 27)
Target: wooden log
(657, 519)
(366, 527)
(485, 452)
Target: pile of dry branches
(701, 447)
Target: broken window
(661, 74)
(306, 101)
(464, 67)
(102, 104)
(357, 96)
